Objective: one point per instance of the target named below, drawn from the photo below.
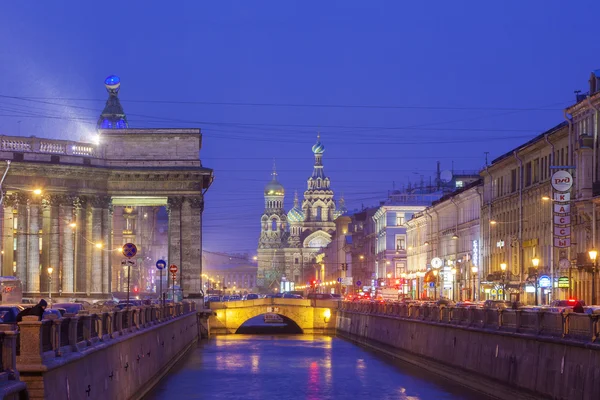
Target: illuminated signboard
(475, 259)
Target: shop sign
(562, 181)
(562, 231)
(563, 282)
(544, 281)
(562, 242)
(475, 259)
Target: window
(15, 244)
(296, 260)
(15, 221)
(319, 214)
(536, 170)
(400, 242)
(400, 219)
(400, 268)
(460, 184)
(274, 224)
(528, 174)
(513, 180)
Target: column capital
(174, 203)
(100, 201)
(196, 202)
(49, 199)
(80, 201)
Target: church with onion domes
(289, 241)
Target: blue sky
(449, 80)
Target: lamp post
(536, 261)
(474, 273)
(50, 269)
(593, 256)
(503, 268)
(435, 274)
(453, 271)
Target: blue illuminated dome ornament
(113, 116)
(318, 148)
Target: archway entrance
(269, 324)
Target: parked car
(71, 308)
(251, 296)
(51, 311)
(319, 296)
(564, 305)
(291, 296)
(497, 304)
(8, 314)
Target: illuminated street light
(593, 256)
(99, 245)
(474, 271)
(493, 222)
(545, 198)
(37, 192)
(536, 261)
(72, 224)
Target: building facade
(59, 200)
(445, 238)
(289, 242)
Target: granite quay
(527, 354)
(104, 355)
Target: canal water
(306, 367)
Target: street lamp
(453, 271)
(474, 271)
(50, 269)
(435, 273)
(503, 268)
(593, 256)
(536, 261)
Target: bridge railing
(8, 352)
(569, 325)
(40, 341)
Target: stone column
(53, 243)
(98, 204)
(33, 247)
(191, 270)
(175, 219)
(90, 248)
(108, 245)
(45, 245)
(66, 218)
(21, 216)
(8, 226)
(80, 244)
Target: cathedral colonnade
(73, 235)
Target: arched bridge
(312, 316)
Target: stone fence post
(73, 332)
(9, 351)
(31, 341)
(86, 322)
(119, 320)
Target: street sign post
(129, 251)
(161, 264)
(173, 271)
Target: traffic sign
(173, 269)
(129, 250)
(161, 264)
(358, 283)
(339, 279)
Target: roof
(532, 141)
(458, 191)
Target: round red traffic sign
(173, 268)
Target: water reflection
(297, 367)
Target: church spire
(113, 116)
(318, 149)
(295, 199)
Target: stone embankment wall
(116, 355)
(499, 363)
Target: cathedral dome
(318, 148)
(274, 188)
(295, 215)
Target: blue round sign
(339, 279)
(161, 264)
(358, 283)
(545, 281)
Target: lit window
(400, 220)
(460, 184)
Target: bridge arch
(288, 326)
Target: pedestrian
(578, 308)
(37, 310)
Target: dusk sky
(393, 86)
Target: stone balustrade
(568, 325)
(48, 146)
(41, 341)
